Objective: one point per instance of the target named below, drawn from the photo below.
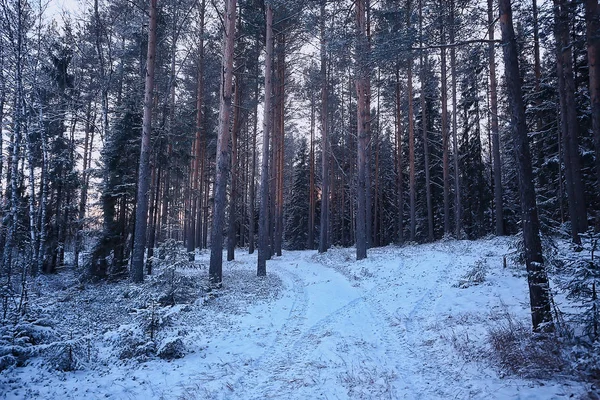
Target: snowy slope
(404, 323)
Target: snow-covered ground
(407, 323)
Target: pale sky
(55, 7)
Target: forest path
(352, 327)
(319, 326)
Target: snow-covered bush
(130, 342)
(475, 276)
(580, 279)
(171, 348)
(20, 341)
(70, 353)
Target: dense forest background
(129, 128)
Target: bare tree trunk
(411, 137)
(33, 234)
(424, 130)
(252, 208)
(263, 228)
(445, 133)
(141, 210)
(568, 119)
(592, 19)
(399, 160)
(154, 211)
(368, 130)
(88, 144)
(457, 201)
(222, 173)
(18, 115)
(361, 131)
(279, 144)
(233, 198)
(539, 293)
(377, 208)
(196, 201)
(324, 228)
(311, 178)
(537, 69)
(206, 207)
(494, 125)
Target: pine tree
(298, 210)
(539, 290)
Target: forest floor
(408, 322)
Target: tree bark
(568, 118)
(361, 131)
(18, 116)
(154, 211)
(445, 133)
(88, 145)
(233, 198)
(279, 142)
(141, 213)
(324, 228)
(311, 178)
(457, 195)
(424, 130)
(411, 138)
(263, 228)
(216, 245)
(252, 207)
(494, 125)
(539, 293)
(399, 160)
(193, 237)
(592, 19)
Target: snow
(406, 323)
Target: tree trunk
(233, 198)
(141, 210)
(568, 118)
(263, 228)
(445, 133)
(494, 125)
(592, 19)
(411, 138)
(192, 241)
(424, 130)
(154, 211)
(457, 201)
(18, 116)
(33, 234)
(222, 173)
(279, 143)
(311, 178)
(537, 68)
(324, 228)
(367, 88)
(252, 207)
(399, 160)
(361, 131)
(539, 293)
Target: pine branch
(457, 44)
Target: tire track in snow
(285, 334)
(294, 341)
(415, 328)
(389, 333)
